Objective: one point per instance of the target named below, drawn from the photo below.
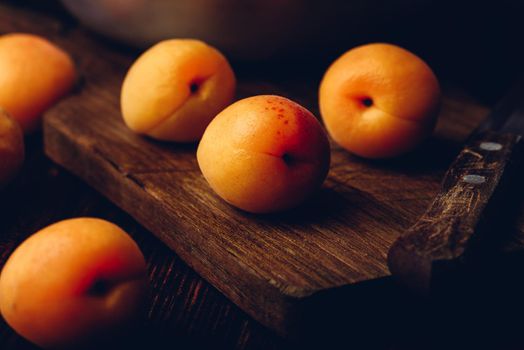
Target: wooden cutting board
(269, 265)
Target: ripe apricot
(264, 154)
(379, 100)
(11, 148)
(175, 88)
(34, 74)
(73, 282)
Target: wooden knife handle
(446, 230)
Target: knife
(444, 236)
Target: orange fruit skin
(264, 154)
(11, 148)
(48, 286)
(34, 75)
(379, 100)
(174, 89)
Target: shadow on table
(482, 308)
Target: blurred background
(476, 45)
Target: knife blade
(444, 234)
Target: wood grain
(448, 230)
(268, 265)
(185, 312)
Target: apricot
(175, 88)
(379, 100)
(11, 148)
(72, 282)
(264, 154)
(34, 74)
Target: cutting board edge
(283, 307)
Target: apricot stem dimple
(287, 158)
(193, 87)
(366, 101)
(100, 287)
(196, 83)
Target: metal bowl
(244, 29)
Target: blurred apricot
(379, 100)
(34, 74)
(73, 283)
(175, 89)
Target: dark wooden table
(184, 310)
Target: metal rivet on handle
(490, 146)
(474, 179)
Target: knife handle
(446, 230)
